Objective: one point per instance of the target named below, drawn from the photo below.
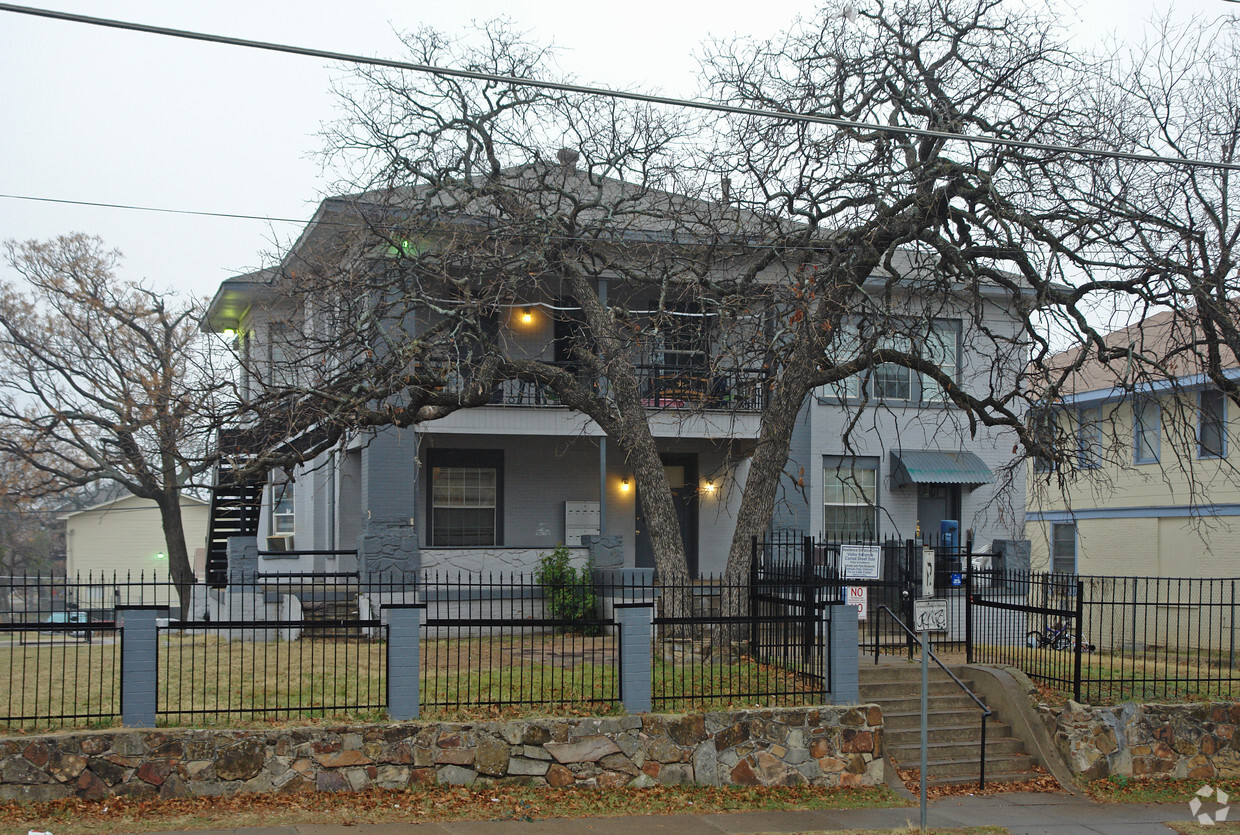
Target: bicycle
(1056, 637)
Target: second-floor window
(1145, 431)
(1211, 424)
(891, 382)
(1063, 548)
(1089, 437)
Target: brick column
(843, 654)
(636, 622)
(404, 623)
(139, 663)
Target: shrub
(569, 593)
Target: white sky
(101, 115)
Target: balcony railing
(661, 387)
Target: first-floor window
(1063, 548)
(850, 498)
(282, 513)
(466, 506)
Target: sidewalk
(1021, 813)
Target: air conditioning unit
(280, 542)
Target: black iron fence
(272, 646)
(1106, 639)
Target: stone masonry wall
(835, 745)
(1196, 741)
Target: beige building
(124, 537)
(1156, 489)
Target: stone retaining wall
(1196, 741)
(787, 746)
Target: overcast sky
(100, 115)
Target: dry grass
(205, 680)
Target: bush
(569, 593)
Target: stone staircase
(955, 727)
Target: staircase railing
(986, 712)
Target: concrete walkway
(1021, 813)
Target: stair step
(898, 720)
(911, 673)
(953, 750)
(968, 768)
(991, 777)
(910, 733)
(938, 701)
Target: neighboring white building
(125, 537)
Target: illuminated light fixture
(624, 484)
(229, 333)
(161, 556)
(709, 487)
(526, 316)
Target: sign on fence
(857, 596)
(860, 562)
(930, 614)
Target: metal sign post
(927, 590)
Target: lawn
(204, 680)
(422, 805)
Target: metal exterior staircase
(955, 727)
(235, 504)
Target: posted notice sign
(860, 562)
(857, 596)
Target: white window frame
(1056, 559)
(1089, 437)
(466, 465)
(842, 471)
(1221, 419)
(284, 508)
(1146, 431)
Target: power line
(646, 98)
(159, 209)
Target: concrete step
(991, 777)
(900, 720)
(902, 690)
(904, 673)
(910, 733)
(910, 752)
(938, 701)
(1009, 764)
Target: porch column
(390, 476)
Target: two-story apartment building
(494, 486)
(1154, 490)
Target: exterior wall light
(709, 487)
(624, 485)
(526, 316)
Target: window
(282, 512)
(1063, 548)
(1042, 423)
(890, 381)
(849, 497)
(1089, 437)
(465, 497)
(1145, 431)
(942, 347)
(1211, 424)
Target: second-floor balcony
(661, 387)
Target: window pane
(942, 349)
(463, 505)
(1145, 430)
(1063, 549)
(849, 502)
(1211, 439)
(1089, 437)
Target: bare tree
(100, 382)
(815, 254)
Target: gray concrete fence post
(843, 653)
(139, 663)
(636, 622)
(404, 624)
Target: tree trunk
(179, 567)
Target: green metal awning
(924, 466)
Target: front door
(682, 477)
(936, 502)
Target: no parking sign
(857, 596)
